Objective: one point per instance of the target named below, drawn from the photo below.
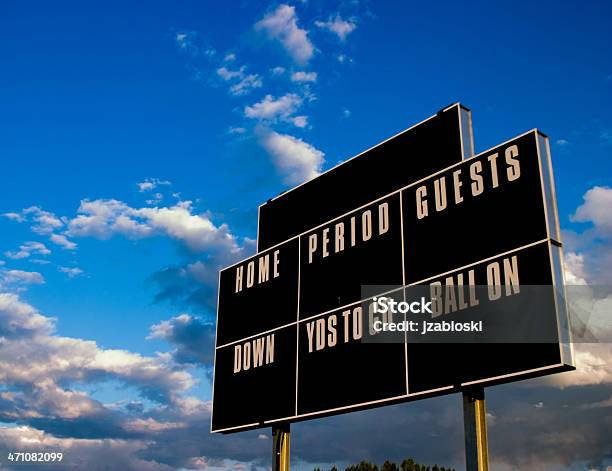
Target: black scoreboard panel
(258, 294)
(339, 365)
(255, 386)
(361, 248)
(520, 323)
(435, 143)
(493, 226)
(480, 207)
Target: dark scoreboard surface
(435, 143)
(293, 338)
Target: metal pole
(475, 426)
(281, 440)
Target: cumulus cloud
(28, 249)
(194, 339)
(103, 218)
(294, 158)
(227, 74)
(301, 76)
(14, 217)
(282, 25)
(150, 184)
(574, 269)
(72, 272)
(236, 130)
(62, 241)
(44, 378)
(300, 121)
(243, 83)
(596, 209)
(20, 278)
(97, 454)
(20, 319)
(246, 84)
(45, 222)
(272, 109)
(336, 25)
(54, 361)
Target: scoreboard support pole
(475, 427)
(281, 441)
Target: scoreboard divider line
(387, 292)
(258, 334)
(526, 246)
(297, 323)
(404, 284)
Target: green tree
(389, 466)
(407, 465)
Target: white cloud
(300, 121)
(302, 76)
(14, 217)
(152, 183)
(338, 26)
(45, 222)
(27, 249)
(236, 130)
(244, 86)
(227, 74)
(62, 241)
(596, 209)
(103, 218)
(21, 319)
(562, 142)
(151, 425)
(295, 159)
(187, 42)
(194, 339)
(229, 57)
(20, 277)
(243, 83)
(39, 261)
(54, 360)
(342, 58)
(72, 272)
(282, 25)
(593, 366)
(155, 199)
(271, 108)
(278, 70)
(574, 269)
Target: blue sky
(138, 140)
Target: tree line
(407, 465)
